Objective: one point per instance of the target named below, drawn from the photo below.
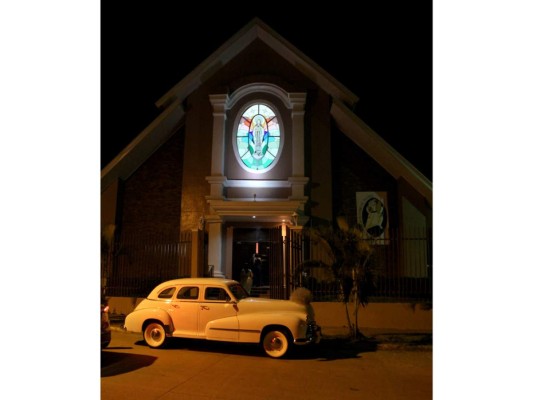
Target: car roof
(192, 281)
(199, 281)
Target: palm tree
(349, 252)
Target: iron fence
(140, 262)
(400, 266)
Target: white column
(298, 112)
(219, 103)
(214, 254)
(297, 185)
(298, 180)
(284, 262)
(216, 184)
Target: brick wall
(152, 195)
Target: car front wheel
(154, 335)
(276, 343)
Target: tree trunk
(356, 317)
(358, 335)
(350, 325)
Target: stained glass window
(258, 137)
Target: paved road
(194, 369)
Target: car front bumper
(313, 334)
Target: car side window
(188, 293)
(167, 293)
(215, 293)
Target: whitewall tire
(154, 335)
(276, 343)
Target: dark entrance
(252, 250)
(270, 257)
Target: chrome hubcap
(275, 343)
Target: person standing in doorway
(248, 280)
(256, 269)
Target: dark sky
(381, 52)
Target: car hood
(258, 304)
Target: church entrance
(264, 260)
(251, 249)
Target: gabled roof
(257, 29)
(164, 126)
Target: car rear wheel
(276, 343)
(154, 335)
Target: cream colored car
(221, 309)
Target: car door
(184, 311)
(217, 315)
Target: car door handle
(204, 308)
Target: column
(219, 103)
(298, 180)
(214, 254)
(298, 112)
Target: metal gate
(285, 253)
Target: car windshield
(238, 291)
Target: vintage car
(221, 309)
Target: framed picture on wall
(372, 214)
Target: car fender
(251, 326)
(135, 320)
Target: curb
(390, 342)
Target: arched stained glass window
(258, 138)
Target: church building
(255, 145)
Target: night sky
(382, 53)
